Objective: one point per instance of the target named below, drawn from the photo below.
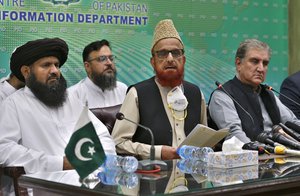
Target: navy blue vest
(248, 99)
(154, 116)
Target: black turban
(34, 50)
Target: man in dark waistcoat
(250, 107)
(168, 105)
(290, 93)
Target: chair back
(107, 115)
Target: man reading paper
(168, 105)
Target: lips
(109, 70)
(170, 67)
(52, 78)
(259, 76)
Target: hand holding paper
(203, 136)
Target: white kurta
(5, 89)
(35, 136)
(91, 94)
(123, 130)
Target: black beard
(51, 95)
(105, 82)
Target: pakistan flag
(84, 150)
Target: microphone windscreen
(279, 150)
(218, 84)
(267, 87)
(262, 137)
(120, 116)
(293, 126)
(254, 146)
(276, 128)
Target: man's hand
(168, 152)
(67, 164)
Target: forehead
(257, 53)
(103, 50)
(167, 44)
(48, 59)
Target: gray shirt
(223, 112)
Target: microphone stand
(148, 164)
(220, 86)
(271, 89)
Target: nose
(54, 69)
(108, 60)
(170, 57)
(260, 66)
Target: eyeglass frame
(98, 58)
(168, 52)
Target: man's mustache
(53, 77)
(109, 68)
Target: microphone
(260, 147)
(283, 150)
(121, 116)
(278, 129)
(285, 141)
(219, 85)
(271, 89)
(293, 126)
(266, 139)
(291, 132)
(146, 164)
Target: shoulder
(143, 85)
(147, 82)
(121, 85)
(79, 89)
(131, 92)
(4, 79)
(295, 78)
(77, 86)
(18, 97)
(75, 100)
(191, 85)
(218, 97)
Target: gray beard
(105, 82)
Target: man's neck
(169, 84)
(16, 83)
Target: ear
(152, 61)
(25, 70)
(238, 63)
(87, 68)
(183, 59)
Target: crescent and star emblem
(78, 149)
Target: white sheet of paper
(202, 136)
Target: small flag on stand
(84, 150)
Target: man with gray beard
(100, 90)
(37, 121)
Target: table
(269, 177)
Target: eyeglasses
(103, 58)
(162, 54)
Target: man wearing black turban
(32, 51)
(47, 84)
(36, 122)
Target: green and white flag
(84, 150)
